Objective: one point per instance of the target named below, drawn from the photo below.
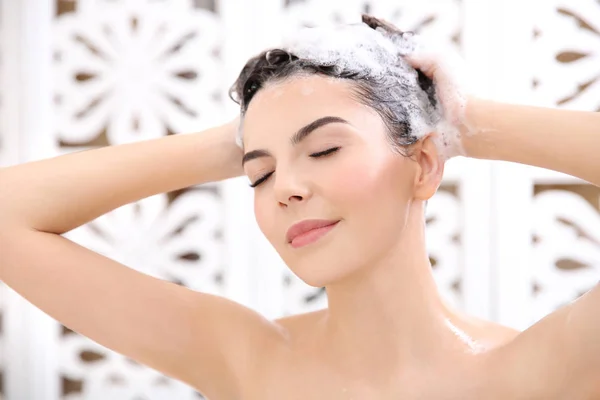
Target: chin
(325, 263)
(320, 273)
(316, 280)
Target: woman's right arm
(59, 194)
(204, 340)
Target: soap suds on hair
(355, 47)
(373, 51)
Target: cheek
(353, 182)
(264, 216)
(368, 183)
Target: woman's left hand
(447, 70)
(557, 139)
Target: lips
(308, 231)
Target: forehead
(281, 108)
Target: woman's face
(344, 170)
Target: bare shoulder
(556, 358)
(490, 334)
(559, 356)
(204, 340)
(293, 323)
(244, 339)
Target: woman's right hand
(232, 151)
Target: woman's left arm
(564, 141)
(561, 140)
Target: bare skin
(386, 334)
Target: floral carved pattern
(432, 19)
(136, 69)
(566, 250)
(178, 242)
(566, 56)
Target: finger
(424, 63)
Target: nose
(290, 189)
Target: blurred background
(508, 242)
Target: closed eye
(325, 152)
(261, 180)
(313, 155)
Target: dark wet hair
(384, 94)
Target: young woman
(342, 162)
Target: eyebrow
(299, 136)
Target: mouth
(309, 231)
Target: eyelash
(313, 155)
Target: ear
(430, 168)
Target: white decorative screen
(126, 71)
(566, 224)
(550, 221)
(507, 242)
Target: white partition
(547, 224)
(509, 243)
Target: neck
(389, 314)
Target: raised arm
(62, 193)
(195, 337)
(561, 353)
(561, 140)
(564, 141)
